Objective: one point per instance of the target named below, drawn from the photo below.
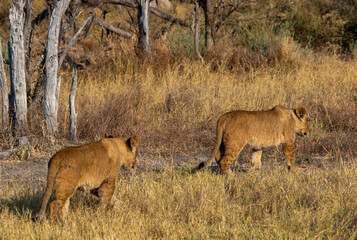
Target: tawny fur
(93, 167)
(259, 129)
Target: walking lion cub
(259, 129)
(92, 167)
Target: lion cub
(259, 129)
(92, 167)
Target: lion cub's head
(130, 158)
(301, 126)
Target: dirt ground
(33, 171)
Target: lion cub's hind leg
(256, 159)
(59, 206)
(230, 154)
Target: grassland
(176, 204)
(172, 104)
(173, 109)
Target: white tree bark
(18, 100)
(4, 94)
(51, 64)
(27, 28)
(72, 111)
(196, 29)
(143, 19)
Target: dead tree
(4, 94)
(51, 65)
(74, 40)
(18, 102)
(27, 29)
(143, 20)
(196, 29)
(208, 8)
(72, 111)
(216, 14)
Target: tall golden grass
(173, 109)
(176, 204)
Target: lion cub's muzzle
(302, 134)
(129, 166)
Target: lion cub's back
(82, 154)
(86, 157)
(258, 128)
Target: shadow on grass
(27, 202)
(213, 169)
(23, 202)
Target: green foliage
(316, 23)
(257, 37)
(181, 42)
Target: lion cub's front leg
(256, 159)
(289, 151)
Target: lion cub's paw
(295, 169)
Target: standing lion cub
(93, 166)
(259, 129)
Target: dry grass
(176, 204)
(173, 108)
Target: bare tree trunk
(72, 111)
(4, 94)
(18, 103)
(27, 28)
(27, 24)
(51, 63)
(196, 30)
(208, 7)
(143, 20)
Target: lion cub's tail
(51, 176)
(215, 153)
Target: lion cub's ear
(133, 142)
(300, 112)
(106, 135)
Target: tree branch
(114, 29)
(73, 41)
(134, 4)
(164, 15)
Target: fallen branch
(164, 15)
(113, 29)
(73, 41)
